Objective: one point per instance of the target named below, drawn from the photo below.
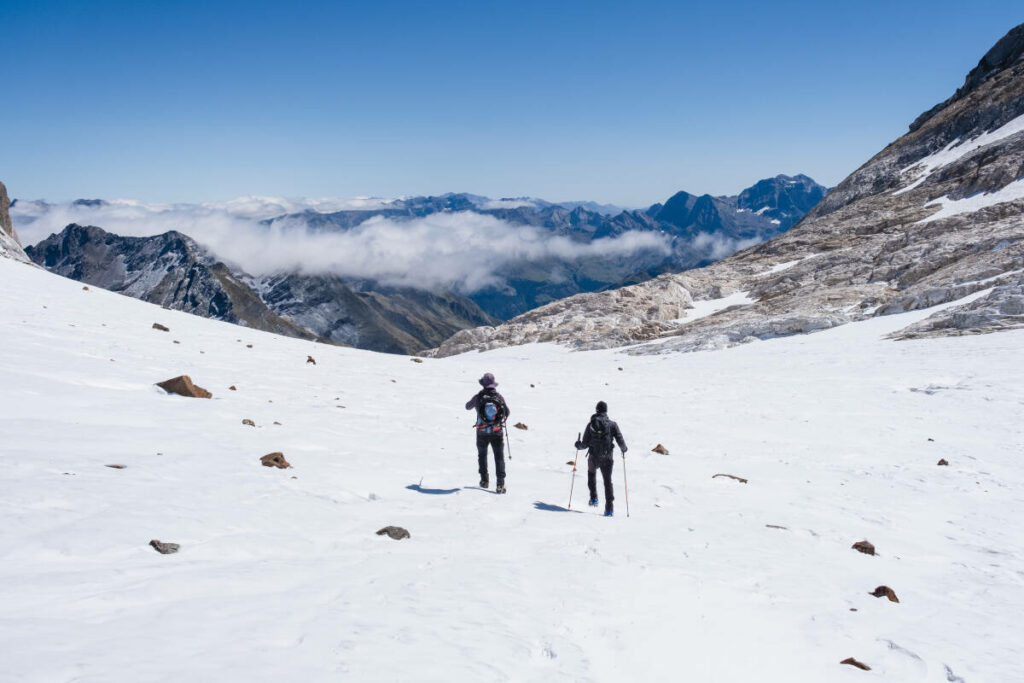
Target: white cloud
(465, 250)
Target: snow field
(284, 579)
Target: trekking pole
(625, 484)
(508, 441)
(574, 461)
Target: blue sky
(623, 102)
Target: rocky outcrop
(183, 386)
(936, 216)
(170, 270)
(174, 271)
(395, 532)
(10, 245)
(275, 460)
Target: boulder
(164, 548)
(885, 592)
(232, 388)
(864, 547)
(853, 662)
(395, 532)
(520, 425)
(275, 460)
(249, 422)
(660, 449)
(183, 386)
(416, 360)
(310, 359)
(943, 463)
(158, 326)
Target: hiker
(598, 437)
(491, 413)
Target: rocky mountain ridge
(934, 217)
(10, 245)
(698, 230)
(172, 270)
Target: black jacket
(478, 400)
(589, 434)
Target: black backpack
(489, 413)
(601, 435)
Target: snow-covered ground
(281, 577)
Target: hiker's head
(602, 407)
(487, 381)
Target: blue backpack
(489, 414)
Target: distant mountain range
(174, 270)
(936, 217)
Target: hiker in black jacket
(491, 413)
(598, 437)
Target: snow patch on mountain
(956, 150)
(954, 207)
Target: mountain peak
(1004, 54)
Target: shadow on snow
(433, 492)
(547, 507)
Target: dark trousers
(605, 464)
(497, 442)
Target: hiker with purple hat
(491, 413)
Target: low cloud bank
(465, 251)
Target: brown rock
(660, 449)
(248, 346)
(158, 326)
(570, 462)
(85, 289)
(310, 359)
(176, 341)
(943, 463)
(116, 467)
(164, 548)
(249, 422)
(277, 423)
(232, 388)
(395, 532)
(864, 547)
(885, 591)
(275, 460)
(739, 479)
(416, 360)
(183, 387)
(520, 425)
(853, 662)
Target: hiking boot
(484, 483)
(500, 488)
(593, 502)
(609, 513)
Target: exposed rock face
(174, 271)
(698, 229)
(275, 460)
(183, 386)
(10, 245)
(932, 218)
(885, 592)
(169, 269)
(865, 547)
(395, 532)
(164, 548)
(369, 316)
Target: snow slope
(283, 578)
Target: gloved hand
(624, 452)
(579, 446)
